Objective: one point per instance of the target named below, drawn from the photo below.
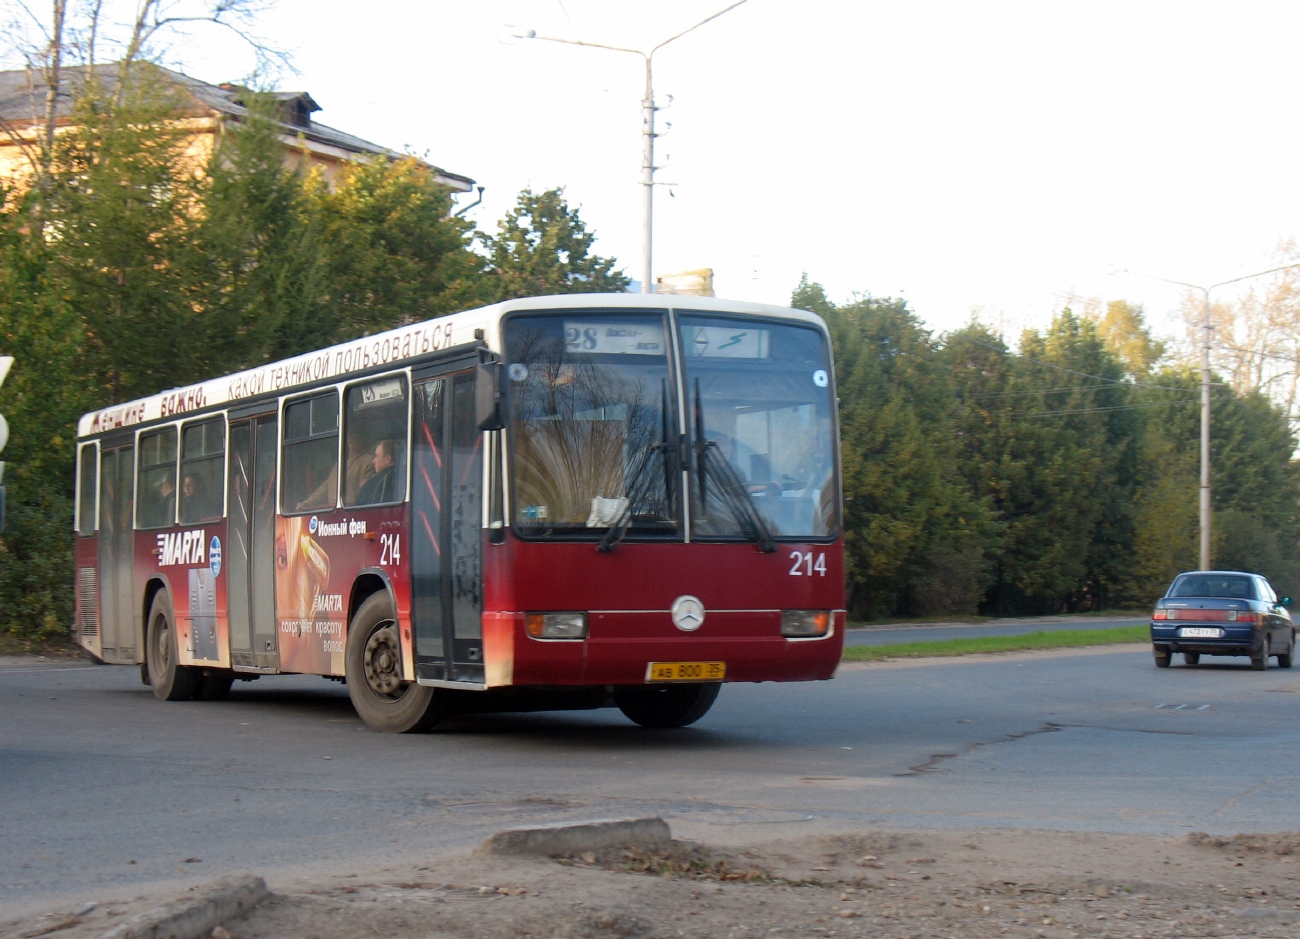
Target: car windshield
(1227, 586)
(762, 429)
(590, 410)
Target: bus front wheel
(373, 666)
(170, 680)
(666, 705)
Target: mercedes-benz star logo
(688, 613)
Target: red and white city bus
(572, 501)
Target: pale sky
(992, 156)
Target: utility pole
(1207, 326)
(648, 109)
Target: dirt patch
(883, 885)
(1281, 843)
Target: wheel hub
(381, 661)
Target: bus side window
(203, 464)
(310, 459)
(375, 417)
(156, 490)
(88, 486)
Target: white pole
(1205, 437)
(648, 180)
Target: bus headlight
(557, 625)
(805, 624)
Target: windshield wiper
(736, 493)
(640, 480)
(734, 490)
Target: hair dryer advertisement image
(310, 617)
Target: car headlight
(557, 625)
(805, 624)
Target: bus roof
(394, 347)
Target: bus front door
(446, 563)
(118, 619)
(250, 554)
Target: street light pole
(648, 135)
(1207, 326)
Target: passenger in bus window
(361, 467)
(158, 502)
(195, 502)
(381, 487)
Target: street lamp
(648, 109)
(1208, 328)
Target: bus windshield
(590, 411)
(761, 423)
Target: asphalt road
(106, 789)
(934, 632)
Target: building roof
(23, 94)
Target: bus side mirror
(487, 397)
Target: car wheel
(1191, 658)
(1284, 658)
(1162, 658)
(1259, 661)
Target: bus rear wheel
(666, 705)
(170, 680)
(373, 666)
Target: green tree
(260, 247)
(1048, 437)
(542, 246)
(915, 538)
(41, 399)
(121, 213)
(395, 254)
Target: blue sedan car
(1222, 613)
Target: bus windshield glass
(590, 411)
(761, 421)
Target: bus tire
(666, 705)
(373, 666)
(170, 680)
(214, 684)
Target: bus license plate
(686, 671)
(1200, 632)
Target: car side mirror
(1286, 601)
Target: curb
(575, 839)
(195, 916)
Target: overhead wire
(1118, 407)
(1293, 359)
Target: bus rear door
(117, 619)
(250, 553)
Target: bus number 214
(805, 565)
(390, 550)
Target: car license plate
(686, 671)
(1200, 632)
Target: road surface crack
(937, 759)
